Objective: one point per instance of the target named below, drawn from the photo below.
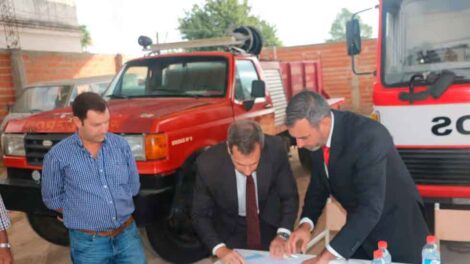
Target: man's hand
(302, 235)
(5, 256)
(278, 247)
(228, 256)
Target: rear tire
(176, 246)
(49, 228)
(173, 236)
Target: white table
(260, 257)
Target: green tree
(85, 40)
(218, 18)
(338, 28)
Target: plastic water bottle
(382, 245)
(430, 251)
(378, 257)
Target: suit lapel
(263, 176)
(318, 156)
(228, 185)
(336, 143)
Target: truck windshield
(172, 77)
(42, 98)
(425, 36)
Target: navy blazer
(369, 179)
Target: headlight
(136, 142)
(13, 144)
(148, 147)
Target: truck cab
(422, 93)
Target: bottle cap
(378, 254)
(382, 244)
(430, 239)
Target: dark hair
(308, 105)
(245, 134)
(88, 101)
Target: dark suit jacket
(215, 203)
(369, 179)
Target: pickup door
(262, 111)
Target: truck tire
(304, 158)
(49, 228)
(173, 236)
(174, 246)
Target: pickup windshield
(42, 98)
(172, 77)
(425, 36)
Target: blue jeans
(123, 248)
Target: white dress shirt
(241, 194)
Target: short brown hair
(245, 134)
(88, 101)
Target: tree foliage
(85, 40)
(338, 28)
(219, 18)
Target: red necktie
(326, 154)
(253, 237)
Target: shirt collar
(328, 142)
(77, 140)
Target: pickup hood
(136, 115)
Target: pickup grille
(35, 149)
(438, 166)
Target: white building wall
(46, 25)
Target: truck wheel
(49, 228)
(173, 236)
(304, 158)
(175, 243)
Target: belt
(109, 233)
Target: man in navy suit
(354, 160)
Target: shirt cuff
(308, 221)
(217, 247)
(283, 230)
(332, 251)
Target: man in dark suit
(245, 195)
(354, 160)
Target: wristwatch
(283, 235)
(5, 245)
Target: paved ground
(29, 248)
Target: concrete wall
(45, 25)
(338, 79)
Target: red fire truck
(170, 108)
(422, 92)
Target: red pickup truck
(170, 108)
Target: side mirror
(258, 89)
(353, 36)
(248, 104)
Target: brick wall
(48, 66)
(338, 79)
(7, 91)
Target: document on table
(262, 257)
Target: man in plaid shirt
(5, 252)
